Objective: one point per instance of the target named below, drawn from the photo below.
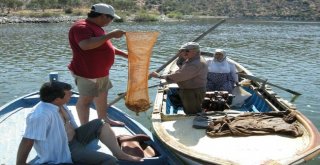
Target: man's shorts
(92, 87)
(85, 134)
(89, 131)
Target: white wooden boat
(194, 146)
(13, 118)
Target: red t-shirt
(93, 63)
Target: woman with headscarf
(222, 75)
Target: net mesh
(140, 46)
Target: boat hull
(195, 147)
(12, 123)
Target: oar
(300, 159)
(250, 77)
(171, 59)
(196, 40)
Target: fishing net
(140, 46)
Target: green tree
(39, 4)
(124, 5)
(10, 4)
(3, 5)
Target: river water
(285, 53)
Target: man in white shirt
(51, 130)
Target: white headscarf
(219, 66)
(222, 52)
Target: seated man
(222, 75)
(191, 78)
(52, 131)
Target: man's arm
(95, 42)
(121, 53)
(24, 150)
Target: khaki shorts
(92, 87)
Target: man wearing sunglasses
(191, 77)
(93, 56)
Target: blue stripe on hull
(253, 104)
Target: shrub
(144, 17)
(68, 10)
(176, 15)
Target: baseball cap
(190, 46)
(104, 9)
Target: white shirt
(224, 66)
(45, 126)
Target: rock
(16, 19)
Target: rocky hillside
(293, 10)
(266, 9)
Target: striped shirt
(45, 126)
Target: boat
(13, 118)
(181, 133)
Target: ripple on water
(287, 54)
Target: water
(285, 53)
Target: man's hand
(117, 33)
(154, 74)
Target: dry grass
(49, 12)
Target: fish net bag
(140, 46)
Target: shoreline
(18, 19)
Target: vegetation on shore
(153, 10)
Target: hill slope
(284, 9)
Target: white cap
(220, 51)
(104, 9)
(190, 45)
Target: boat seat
(254, 103)
(173, 103)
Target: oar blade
(253, 78)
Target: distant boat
(13, 118)
(178, 131)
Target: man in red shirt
(93, 56)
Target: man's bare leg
(83, 107)
(108, 138)
(102, 105)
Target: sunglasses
(185, 50)
(109, 16)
